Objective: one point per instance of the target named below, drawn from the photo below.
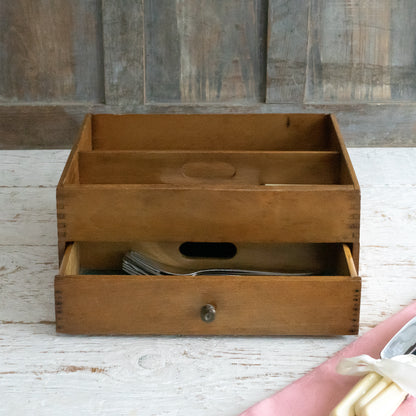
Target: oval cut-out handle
(195, 249)
(208, 170)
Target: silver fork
(135, 263)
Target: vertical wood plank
(403, 50)
(287, 50)
(206, 51)
(123, 37)
(350, 50)
(87, 50)
(162, 63)
(50, 50)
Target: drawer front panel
(244, 305)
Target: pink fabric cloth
(317, 393)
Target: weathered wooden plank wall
(123, 51)
(51, 51)
(62, 58)
(205, 51)
(350, 51)
(403, 51)
(287, 51)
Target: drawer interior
(105, 258)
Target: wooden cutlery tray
(272, 192)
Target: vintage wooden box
(279, 189)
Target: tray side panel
(262, 214)
(346, 174)
(70, 174)
(210, 132)
(83, 142)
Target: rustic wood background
(60, 59)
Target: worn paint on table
(43, 373)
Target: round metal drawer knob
(208, 313)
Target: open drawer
(94, 301)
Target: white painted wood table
(42, 373)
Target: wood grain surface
(62, 59)
(287, 50)
(211, 132)
(361, 55)
(43, 373)
(56, 126)
(350, 51)
(139, 212)
(403, 51)
(129, 305)
(206, 51)
(343, 51)
(227, 167)
(123, 33)
(51, 51)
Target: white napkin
(400, 369)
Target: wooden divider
(221, 167)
